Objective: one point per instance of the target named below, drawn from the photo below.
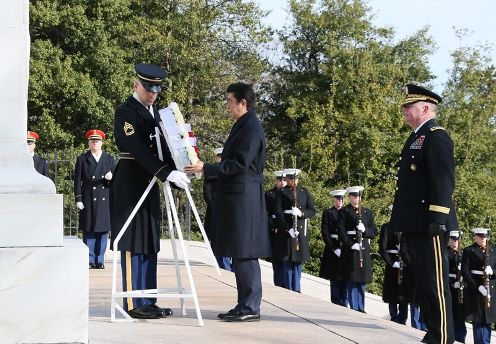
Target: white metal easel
(173, 221)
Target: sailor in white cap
(292, 248)
(209, 195)
(478, 264)
(330, 262)
(456, 284)
(356, 226)
(270, 203)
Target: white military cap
(355, 189)
(218, 151)
(292, 172)
(454, 234)
(279, 174)
(480, 230)
(338, 193)
(390, 207)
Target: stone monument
(44, 276)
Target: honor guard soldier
(135, 126)
(423, 208)
(274, 232)
(294, 207)
(356, 226)
(92, 177)
(209, 195)
(456, 285)
(40, 164)
(478, 266)
(330, 262)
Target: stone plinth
(44, 294)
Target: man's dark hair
(241, 91)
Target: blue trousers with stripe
(139, 272)
(356, 295)
(291, 274)
(97, 244)
(482, 333)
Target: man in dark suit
(294, 206)
(330, 262)
(271, 196)
(92, 177)
(40, 164)
(240, 214)
(423, 208)
(134, 129)
(355, 222)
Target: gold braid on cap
(148, 79)
(419, 97)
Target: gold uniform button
(397, 188)
(103, 187)
(94, 199)
(94, 187)
(103, 199)
(413, 167)
(413, 156)
(93, 177)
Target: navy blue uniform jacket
(240, 214)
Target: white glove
(360, 227)
(179, 178)
(337, 252)
(296, 212)
(108, 175)
(396, 265)
(488, 270)
(80, 205)
(456, 285)
(356, 246)
(483, 290)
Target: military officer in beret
(456, 285)
(330, 262)
(92, 177)
(356, 223)
(423, 207)
(240, 212)
(479, 296)
(40, 164)
(294, 206)
(134, 131)
(270, 203)
(209, 195)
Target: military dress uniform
(134, 131)
(271, 196)
(422, 208)
(40, 164)
(92, 189)
(356, 277)
(284, 249)
(473, 268)
(456, 288)
(330, 263)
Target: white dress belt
(452, 275)
(334, 236)
(351, 232)
(477, 272)
(392, 251)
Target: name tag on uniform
(417, 144)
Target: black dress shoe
(100, 266)
(240, 317)
(426, 338)
(145, 312)
(92, 266)
(229, 312)
(164, 311)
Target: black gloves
(436, 229)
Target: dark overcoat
(284, 245)
(209, 195)
(240, 213)
(473, 260)
(455, 275)
(329, 266)
(270, 205)
(425, 181)
(138, 164)
(40, 165)
(91, 188)
(350, 259)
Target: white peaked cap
(480, 230)
(335, 193)
(355, 189)
(390, 207)
(290, 172)
(454, 234)
(279, 174)
(218, 151)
